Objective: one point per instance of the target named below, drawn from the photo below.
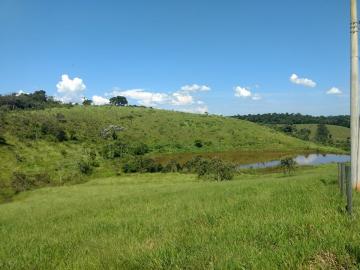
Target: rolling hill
(51, 144)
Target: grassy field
(337, 132)
(33, 148)
(173, 221)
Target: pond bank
(237, 157)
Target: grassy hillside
(50, 145)
(337, 132)
(172, 221)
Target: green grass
(173, 221)
(164, 131)
(337, 132)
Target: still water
(312, 159)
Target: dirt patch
(328, 261)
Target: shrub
(91, 158)
(85, 167)
(193, 164)
(141, 164)
(172, 166)
(61, 136)
(198, 143)
(140, 149)
(221, 171)
(20, 182)
(288, 165)
(215, 169)
(116, 149)
(60, 117)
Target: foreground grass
(177, 221)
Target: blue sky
(225, 57)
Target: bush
(198, 143)
(85, 167)
(21, 182)
(215, 169)
(172, 166)
(192, 165)
(113, 150)
(288, 165)
(140, 149)
(142, 165)
(61, 136)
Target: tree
(87, 102)
(288, 165)
(2, 121)
(118, 101)
(322, 134)
(289, 129)
(39, 96)
(303, 134)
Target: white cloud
(334, 91)
(199, 109)
(182, 98)
(302, 81)
(195, 88)
(179, 98)
(242, 92)
(98, 100)
(256, 97)
(143, 97)
(70, 90)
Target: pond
(311, 159)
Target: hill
(171, 221)
(338, 136)
(61, 145)
(338, 133)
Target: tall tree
(322, 134)
(87, 102)
(118, 101)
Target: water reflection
(312, 159)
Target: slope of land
(51, 144)
(173, 221)
(338, 133)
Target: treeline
(36, 100)
(39, 100)
(295, 118)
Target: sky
(222, 57)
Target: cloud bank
(182, 97)
(98, 100)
